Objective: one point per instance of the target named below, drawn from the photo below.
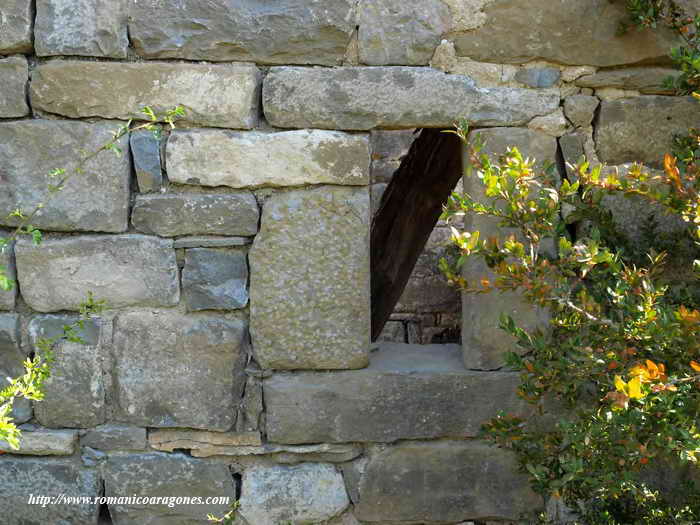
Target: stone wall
(234, 358)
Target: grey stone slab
(214, 280)
(169, 215)
(169, 440)
(407, 392)
(223, 95)
(211, 242)
(308, 493)
(31, 476)
(115, 437)
(580, 109)
(280, 32)
(44, 442)
(567, 32)
(8, 298)
(391, 145)
(123, 270)
(175, 370)
(94, 28)
(14, 78)
(75, 392)
(644, 79)
(313, 315)
(11, 356)
(538, 77)
(16, 24)
(165, 475)
(444, 481)
(254, 159)
(641, 129)
(356, 98)
(398, 32)
(251, 409)
(145, 150)
(96, 200)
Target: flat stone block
(115, 437)
(214, 280)
(444, 481)
(641, 129)
(169, 440)
(16, 21)
(313, 315)
(280, 32)
(644, 79)
(145, 150)
(211, 242)
(361, 98)
(407, 392)
(123, 270)
(308, 493)
(222, 96)
(96, 200)
(75, 392)
(14, 76)
(44, 442)
(94, 28)
(255, 159)
(31, 476)
(161, 355)
(169, 215)
(165, 475)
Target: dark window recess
(410, 207)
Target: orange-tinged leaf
(529, 366)
(695, 366)
(613, 365)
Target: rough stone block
(313, 315)
(580, 109)
(280, 32)
(215, 280)
(165, 475)
(173, 370)
(123, 270)
(538, 77)
(648, 80)
(555, 32)
(16, 21)
(641, 129)
(407, 392)
(169, 440)
(11, 356)
(25, 476)
(14, 76)
(115, 437)
(221, 96)
(211, 242)
(403, 33)
(393, 97)
(75, 392)
(254, 159)
(251, 409)
(444, 481)
(174, 214)
(8, 298)
(145, 150)
(45, 442)
(309, 493)
(391, 145)
(96, 200)
(393, 332)
(81, 27)
(484, 343)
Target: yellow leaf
(620, 384)
(695, 366)
(635, 388)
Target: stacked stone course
(234, 357)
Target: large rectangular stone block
(56, 478)
(445, 482)
(222, 96)
(44, 442)
(641, 129)
(81, 27)
(508, 31)
(123, 270)
(170, 215)
(96, 200)
(309, 280)
(16, 21)
(357, 98)
(14, 76)
(279, 32)
(175, 370)
(166, 476)
(407, 392)
(485, 344)
(75, 392)
(254, 159)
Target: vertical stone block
(145, 150)
(14, 75)
(215, 280)
(8, 298)
(309, 281)
(93, 28)
(483, 341)
(16, 21)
